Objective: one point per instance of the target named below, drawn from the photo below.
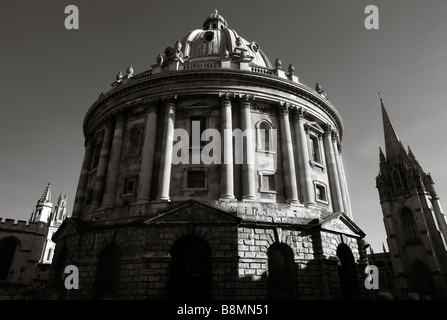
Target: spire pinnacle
(46, 196)
(393, 145)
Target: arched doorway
(422, 280)
(280, 261)
(190, 269)
(8, 248)
(347, 271)
(108, 273)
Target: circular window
(209, 36)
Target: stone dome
(216, 40)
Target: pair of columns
(336, 173)
(248, 167)
(107, 171)
(104, 189)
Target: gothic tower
(56, 218)
(415, 224)
(44, 206)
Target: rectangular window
(49, 254)
(129, 185)
(268, 182)
(196, 179)
(320, 193)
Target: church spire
(393, 145)
(46, 196)
(44, 206)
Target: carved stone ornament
(226, 53)
(278, 63)
(130, 71)
(284, 108)
(291, 69)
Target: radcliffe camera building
(214, 174)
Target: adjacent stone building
(26, 248)
(214, 174)
(415, 224)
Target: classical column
(227, 180)
(166, 156)
(248, 165)
(101, 171)
(83, 179)
(288, 163)
(113, 167)
(147, 157)
(344, 184)
(303, 158)
(334, 183)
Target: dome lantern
(215, 21)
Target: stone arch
(347, 270)
(8, 249)
(280, 270)
(421, 279)
(191, 269)
(108, 272)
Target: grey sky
(51, 76)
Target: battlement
(19, 225)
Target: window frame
(321, 185)
(133, 151)
(315, 136)
(262, 188)
(127, 178)
(260, 143)
(186, 170)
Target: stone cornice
(147, 80)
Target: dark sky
(51, 76)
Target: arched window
(280, 262)
(108, 273)
(134, 140)
(8, 247)
(265, 137)
(190, 269)
(347, 271)
(409, 225)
